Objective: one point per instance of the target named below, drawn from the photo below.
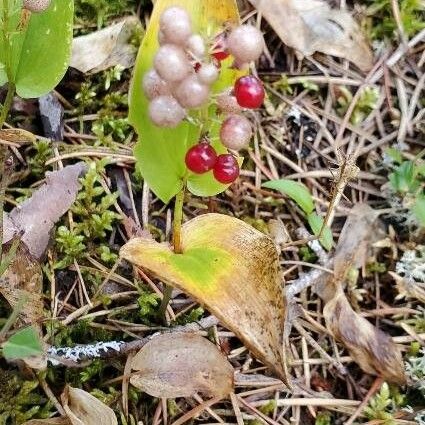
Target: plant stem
(7, 103)
(177, 222)
(177, 244)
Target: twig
(74, 356)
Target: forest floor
(322, 116)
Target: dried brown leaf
(106, 48)
(360, 231)
(84, 409)
(370, 347)
(36, 216)
(181, 365)
(311, 26)
(23, 281)
(51, 421)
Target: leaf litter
(308, 26)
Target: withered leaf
(50, 421)
(360, 231)
(106, 48)
(311, 26)
(36, 216)
(180, 365)
(82, 408)
(233, 270)
(370, 347)
(23, 280)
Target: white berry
(36, 5)
(165, 111)
(196, 46)
(236, 132)
(191, 93)
(171, 63)
(175, 23)
(245, 43)
(154, 85)
(208, 73)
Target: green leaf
(316, 224)
(419, 210)
(40, 52)
(160, 152)
(404, 178)
(298, 192)
(22, 344)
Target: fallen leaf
(36, 216)
(84, 409)
(181, 365)
(50, 421)
(355, 241)
(23, 280)
(24, 343)
(233, 270)
(372, 349)
(106, 48)
(360, 231)
(311, 26)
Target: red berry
(220, 48)
(226, 169)
(249, 92)
(201, 158)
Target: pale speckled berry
(227, 102)
(175, 24)
(165, 111)
(154, 85)
(235, 132)
(171, 63)
(191, 93)
(208, 73)
(245, 43)
(196, 46)
(36, 5)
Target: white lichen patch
(82, 352)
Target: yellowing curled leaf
(371, 348)
(311, 26)
(82, 408)
(230, 268)
(180, 365)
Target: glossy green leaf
(233, 270)
(316, 224)
(40, 48)
(22, 344)
(160, 152)
(298, 192)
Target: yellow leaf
(233, 270)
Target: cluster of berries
(185, 67)
(36, 5)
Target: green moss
(382, 25)
(20, 400)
